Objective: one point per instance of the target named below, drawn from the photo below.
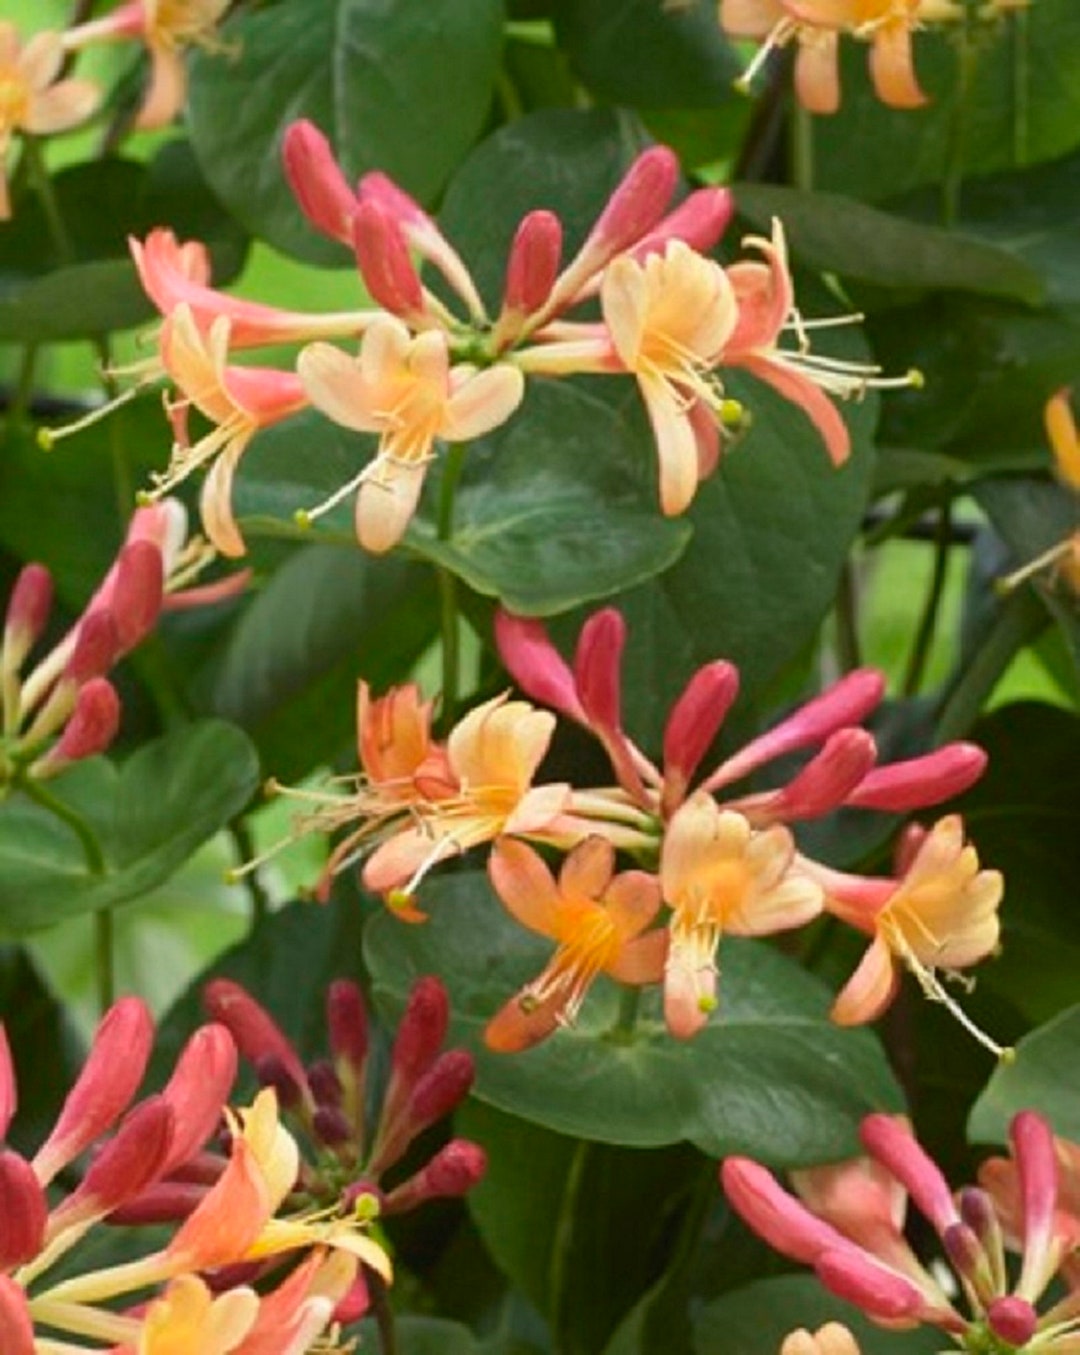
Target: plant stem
(245, 848)
(19, 405)
(382, 1312)
(952, 183)
(924, 636)
(105, 958)
(447, 581)
(802, 146)
(626, 1019)
(848, 649)
(43, 185)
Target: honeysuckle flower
(165, 28)
(406, 390)
(853, 1238)
(599, 920)
(940, 915)
(718, 876)
(237, 400)
(33, 99)
(1000, 1178)
(831, 1339)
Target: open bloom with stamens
(32, 98)
(237, 400)
(599, 920)
(165, 27)
(718, 876)
(406, 390)
(852, 1234)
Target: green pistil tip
(302, 518)
(742, 86)
(399, 898)
(144, 498)
(45, 439)
(366, 1208)
(230, 876)
(707, 1004)
(916, 379)
(1007, 1055)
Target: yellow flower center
(14, 98)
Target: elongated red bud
(317, 182)
(198, 1091)
(16, 1324)
(908, 842)
(1036, 1165)
(138, 592)
(597, 667)
(347, 1023)
(895, 1147)
(453, 1171)
(27, 614)
(324, 1083)
(966, 1255)
(97, 647)
(821, 786)
(536, 665)
(774, 1214)
(257, 1035)
(9, 1092)
(109, 1079)
(331, 1126)
(533, 262)
(693, 723)
(699, 220)
(382, 255)
(443, 1087)
(162, 1202)
(639, 201)
(23, 1212)
(881, 1293)
(920, 781)
(356, 1302)
(90, 729)
(421, 1031)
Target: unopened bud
(27, 614)
(640, 200)
(97, 647)
(533, 262)
(693, 724)
(271, 1072)
(908, 842)
(1012, 1319)
(23, 1211)
(137, 593)
(90, 729)
(317, 182)
(699, 221)
(17, 1335)
(917, 782)
(878, 1291)
(355, 1303)
(324, 1083)
(9, 1091)
(453, 1171)
(966, 1255)
(421, 1031)
(382, 254)
(331, 1126)
(347, 1023)
(198, 1091)
(255, 1031)
(445, 1084)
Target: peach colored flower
(404, 389)
(831, 1339)
(598, 919)
(718, 875)
(32, 98)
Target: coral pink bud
(908, 842)
(596, 667)
(1036, 1165)
(90, 729)
(97, 647)
(1012, 1319)
(138, 592)
(257, 1035)
(881, 1293)
(844, 703)
(776, 1216)
(109, 1079)
(355, 1304)
(536, 665)
(198, 1091)
(700, 220)
(27, 613)
(693, 724)
(317, 182)
(454, 1170)
(533, 262)
(347, 1023)
(920, 781)
(822, 784)
(381, 189)
(382, 254)
(23, 1212)
(639, 201)
(9, 1093)
(124, 1167)
(895, 1147)
(16, 1325)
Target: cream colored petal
(335, 386)
(689, 990)
(166, 91)
(676, 445)
(429, 359)
(482, 403)
(792, 903)
(750, 18)
(869, 990)
(537, 808)
(624, 300)
(892, 68)
(41, 59)
(64, 105)
(500, 744)
(384, 351)
(587, 871)
(817, 73)
(215, 502)
(386, 503)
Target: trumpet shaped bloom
(599, 921)
(33, 99)
(406, 390)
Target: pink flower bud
(916, 782)
(198, 1091)
(162, 1202)
(347, 1023)
(16, 1324)
(445, 1084)
(700, 220)
(317, 182)
(453, 1171)
(23, 1212)
(109, 1079)
(27, 614)
(421, 1031)
(908, 842)
(324, 1083)
(895, 1147)
(138, 592)
(331, 1126)
(355, 1303)
(533, 263)
(966, 1254)
(596, 667)
(822, 784)
(536, 665)
(693, 724)
(9, 1093)
(879, 1292)
(97, 647)
(1012, 1319)
(1036, 1165)
(639, 201)
(257, 1035)
(776, 1216)
(90, 729)
(382, 254)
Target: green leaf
(755, 1319)
(47, 294)
(690, 63)
(835, 234)
(401, 88)
(586, 1203)
(288, 672)
(770, 1075)
(424, 1336)
(149, 816)
(1042, 1077)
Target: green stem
(966, 57)
(626, 1018)
(50, 205)
(848, 649)
(382, 1312)
(802, 147)
(245, 849)
(105, 958)
(924, 636)
(447, 581)
(24, 386)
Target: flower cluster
(721, 857)
(849, 1227)
(425, 373)
(65, 708)
(232, 1223)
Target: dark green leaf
(769, 1075)
(401, 88)
(149, 816)
(1042, 1078)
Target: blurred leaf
(402, 88)
(149, 816)
(754, 1321)
(1042, 1078)
(690, 64)
(426, 1336)
(47, 294)
(837, 235)
(289, 669)
(770, 1075)
(586, 1204)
